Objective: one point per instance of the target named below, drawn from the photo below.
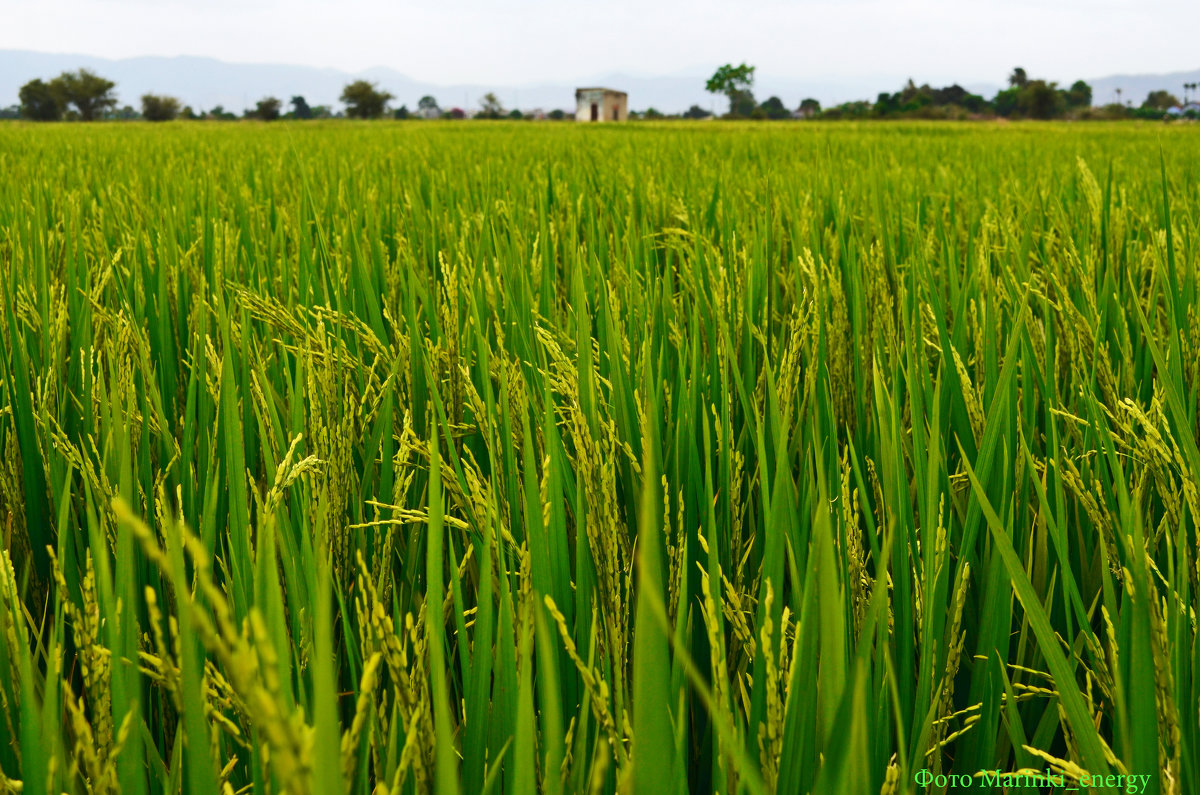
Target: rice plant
(655, 459)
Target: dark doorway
(615, 112)
(595, 111)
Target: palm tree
(1118, 96)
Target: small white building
(1190, 109)
(601, 104)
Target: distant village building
(1191, 110)
(601, 104)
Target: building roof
(599, 88)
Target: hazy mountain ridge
(1134, 88)
(204, 82)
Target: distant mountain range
(205, 83)
(1134, 88)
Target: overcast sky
(527, 41)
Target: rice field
(511, 458)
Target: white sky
(528, 41)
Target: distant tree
(322, 112)
(490, 107)
(300, 108)
(401, 113)
(774, 108)
(90, 93)
(558, 114)
(455, 113)
(742, 104)
(696, 112)
(651, 113)
(363, 100)
(157, 107)
(187, 114)
(220, 113)
(848, 110)
(267, 109)
(1005, 102)
(809, 107)
(1160, 100)
(735, 83)
(1040, 100)
(126, 113)
(886, 104)
(10, 112)
(40, 101)
(428, 107)
(913, 97)
(515, 114)
(1018, 78)
(927, 102)
(950, 95)
(975, 103)
(1079, 95)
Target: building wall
(611, 105)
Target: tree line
(1023, 98)
(85, 96)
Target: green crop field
(514, 458)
